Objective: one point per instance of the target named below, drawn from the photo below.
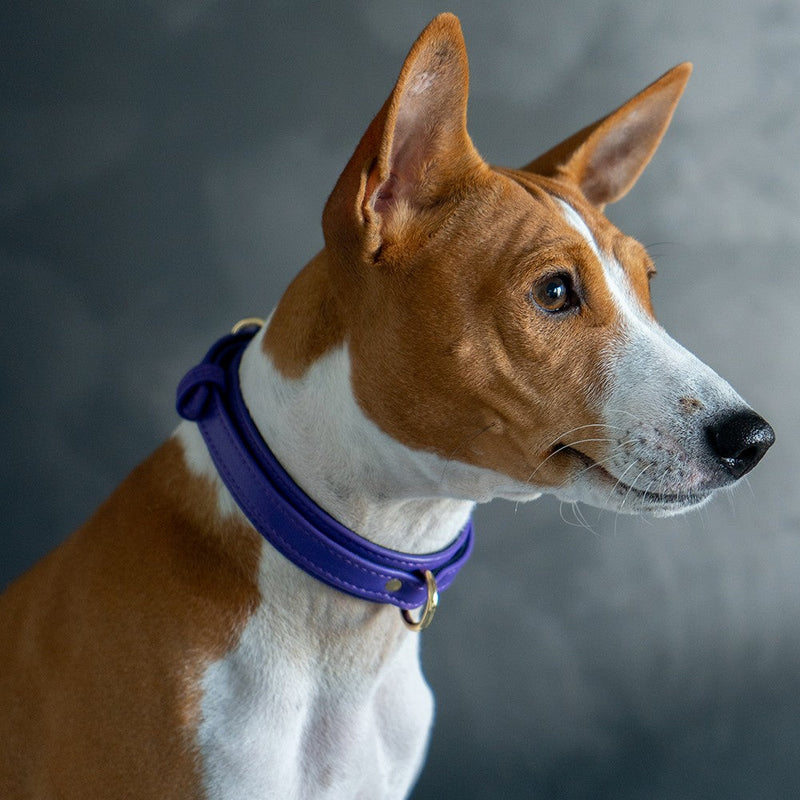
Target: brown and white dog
(468, 332)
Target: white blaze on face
(659, 403)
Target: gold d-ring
(246, 323)
(428, 610)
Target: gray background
(164, 166)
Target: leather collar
(282, 513)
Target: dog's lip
(660, 499)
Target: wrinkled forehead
(620, 261)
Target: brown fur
(103, 642)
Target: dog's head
(497, 318)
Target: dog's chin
(595, 486)
(633, 501)
(650, 504)
(671, 508)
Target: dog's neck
(394, 496)
(315, 657)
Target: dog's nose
(739, 440)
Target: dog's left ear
(416, 149)
(605, 159)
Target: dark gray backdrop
(164, 166)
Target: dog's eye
(554, 293)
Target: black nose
(739, 439)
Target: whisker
(580, 522)
(561, 515)
(579, 516)
(619, 481)
(560, 450)
(646, 520)
(562, 436)
(646, 491)
(648, 487)
(606, 505)
(632, 484)
(731, 501)
(602, 462)
(658, 244)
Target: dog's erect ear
(605, 159)
(416, 147)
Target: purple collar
(283, 514)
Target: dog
(226, 625)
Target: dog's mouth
(631, 497)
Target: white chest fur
(322, 697)
(308, 713)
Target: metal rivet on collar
(393, 585)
